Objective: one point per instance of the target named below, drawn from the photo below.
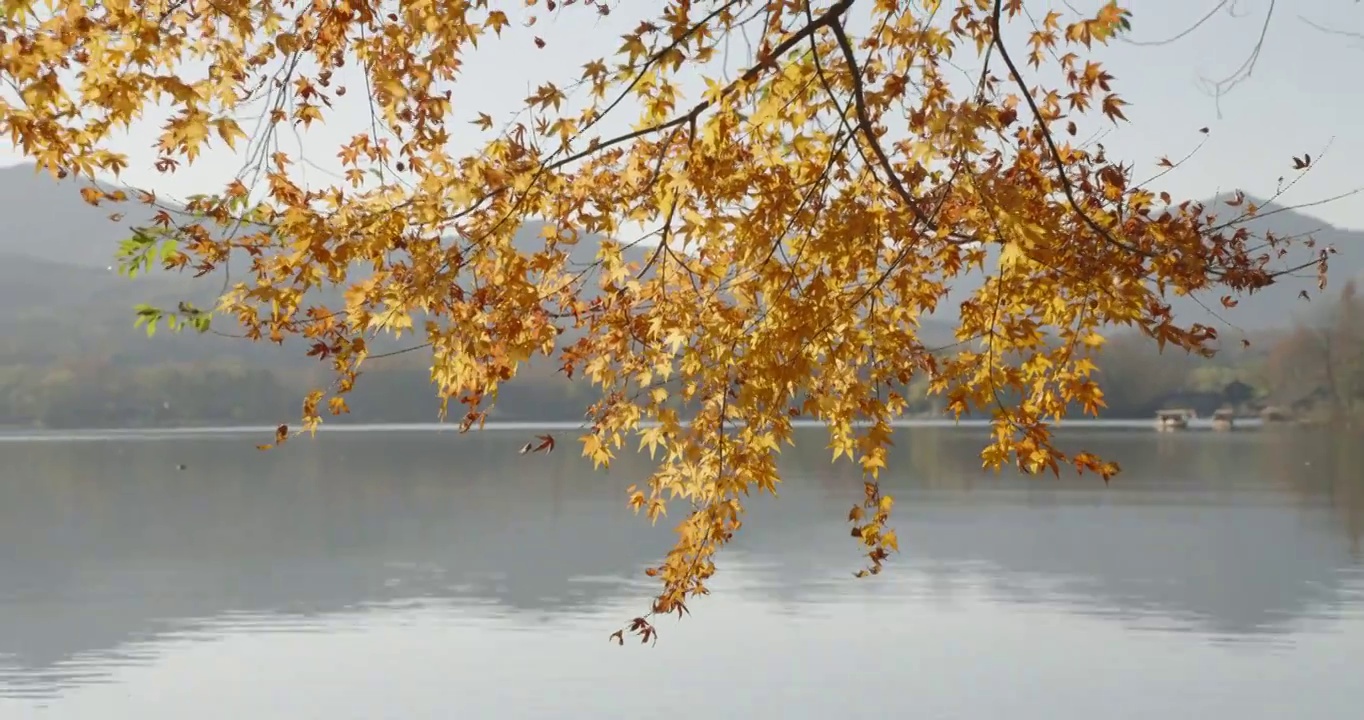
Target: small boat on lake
(1171, 420)
(1224, 419)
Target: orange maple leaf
(546, 445)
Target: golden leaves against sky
(810, 208)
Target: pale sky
(1301, 97)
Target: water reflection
(108, 551)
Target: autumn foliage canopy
(806, 206)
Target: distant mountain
(1274, 307)
(1280, 304)
(46, 219)
(59, 295)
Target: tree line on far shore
(1313, 370)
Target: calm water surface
(415, 575)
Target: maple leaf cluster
(810, 209)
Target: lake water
(413, 575)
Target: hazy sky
(1300, 98)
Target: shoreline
(17, 434)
